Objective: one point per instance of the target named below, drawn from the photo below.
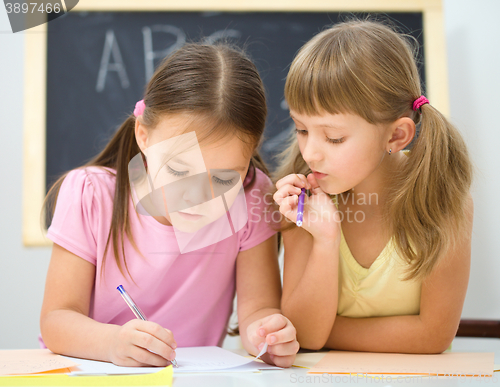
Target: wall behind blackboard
(99, 62)
(75, 98)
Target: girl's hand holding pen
(279, 334)
(142, 343)
(321, 217)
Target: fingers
(287, 195)
(157, 331)
(140, 357)
(285, 192)
(289, 207)
(280, 335)
(285, 349)
(282, 361)
(315, 188)
(312, 180)
(152, 344)
(283, 345)
(286, 333)
(273, 324)
(297, 180)
(153, 338)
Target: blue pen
(137, 311)
(300, 208)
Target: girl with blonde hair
(381, 262)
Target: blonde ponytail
(427, 210)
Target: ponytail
(116, 155)
(426, 210)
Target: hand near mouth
(321, 217)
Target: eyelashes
(335, 140)
(329, 140)
(222, 182)
(176, 173)
(185, 173)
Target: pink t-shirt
(191, 294)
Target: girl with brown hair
(103, 237)
(381, 263)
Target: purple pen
(300, 208)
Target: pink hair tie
(417, 104)
(139, 108)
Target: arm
(310, 281)
(310, 286)
(67, 329)
(432, 331)
(258, 289)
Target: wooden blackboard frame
(35, 73)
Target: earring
(390, 151)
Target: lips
(191, 217)
(319, 175)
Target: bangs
(211, 128)
(332, 73)
(313, 86)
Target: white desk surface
(299, 377)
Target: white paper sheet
(190, 359)
(262, 351)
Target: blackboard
(99, 62)
(67, 120)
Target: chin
(187, 226)
(331, 189)
(190, 229)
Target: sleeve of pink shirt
(261, 223)
(75, 218)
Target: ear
(402, 131)
(141, 135)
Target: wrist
(327, 240)
(109, 341)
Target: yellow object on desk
(308, 359)
(161, 378)
(447, 363)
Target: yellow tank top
(376, 291)
(379, 290)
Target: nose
(311, 150)
(197, 193)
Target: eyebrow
(325, 125)
(330, 126)
(182, 162)
(238, 169)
